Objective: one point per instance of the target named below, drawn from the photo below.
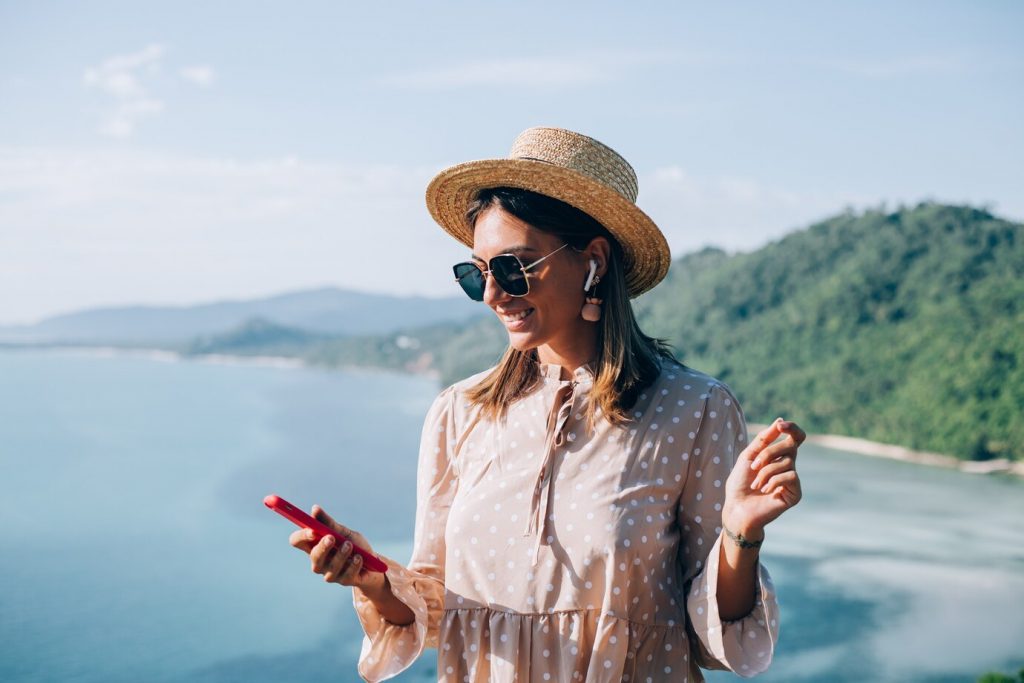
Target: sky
(182, 152)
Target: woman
(589, 509)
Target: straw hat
(574, 168)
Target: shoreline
(848, 444)
(876, 449)
(170, 356)
(226, 359)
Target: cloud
(89, 228)
(122, 77)
(121, 122)
(119, 75)
(200, 75)
(81, 229)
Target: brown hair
(628, 360)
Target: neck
(570, 356)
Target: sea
(135, 546)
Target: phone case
(302, 519)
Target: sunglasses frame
(524, 269)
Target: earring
(592, 309)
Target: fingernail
(346, 546)
(764, 489)
(328, 540)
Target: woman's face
(549, 314)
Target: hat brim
(645, 252)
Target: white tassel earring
(592, 308)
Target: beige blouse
(544, 552)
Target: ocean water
(134, 545)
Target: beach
(852, 444)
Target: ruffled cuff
(744, 646)
(388, 649)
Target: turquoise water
(134, 545)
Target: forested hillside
(903, 327)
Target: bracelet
(741, 541)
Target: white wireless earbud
(590, 277)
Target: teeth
(513, 317)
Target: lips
(515, 319)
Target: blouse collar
(584, 374)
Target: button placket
(560, 411)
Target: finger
(759, 443)
(336, 567)
(321, 553)
(790, 494)
(782, 480)
(783, 464)
(351, 573)
(793, 429)
(773, 453)
(303, 539)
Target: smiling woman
(588, 509)
(595, 262)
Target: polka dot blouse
(547, 552)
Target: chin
(523, 342)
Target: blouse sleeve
(388, 648)
(744, 646)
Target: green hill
(903, 327)
(256, 336)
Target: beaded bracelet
(740, 541)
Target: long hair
(628, 360)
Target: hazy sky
(178, 152)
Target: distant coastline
(162, 355)
(171, 356)
(852, 444)
(847, 444)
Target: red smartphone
(286, 509)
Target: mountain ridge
(902, 327)
(323, 310)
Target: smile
(511, 318)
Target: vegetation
(256, 336)
(903, 327)
(995, 677)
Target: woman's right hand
(337, 563)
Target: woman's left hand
(763, 484)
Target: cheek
(560, 301)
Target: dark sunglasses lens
(471, 279)
(508, 272)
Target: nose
(493, 293)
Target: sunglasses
(506, 269)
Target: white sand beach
(882, 450)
